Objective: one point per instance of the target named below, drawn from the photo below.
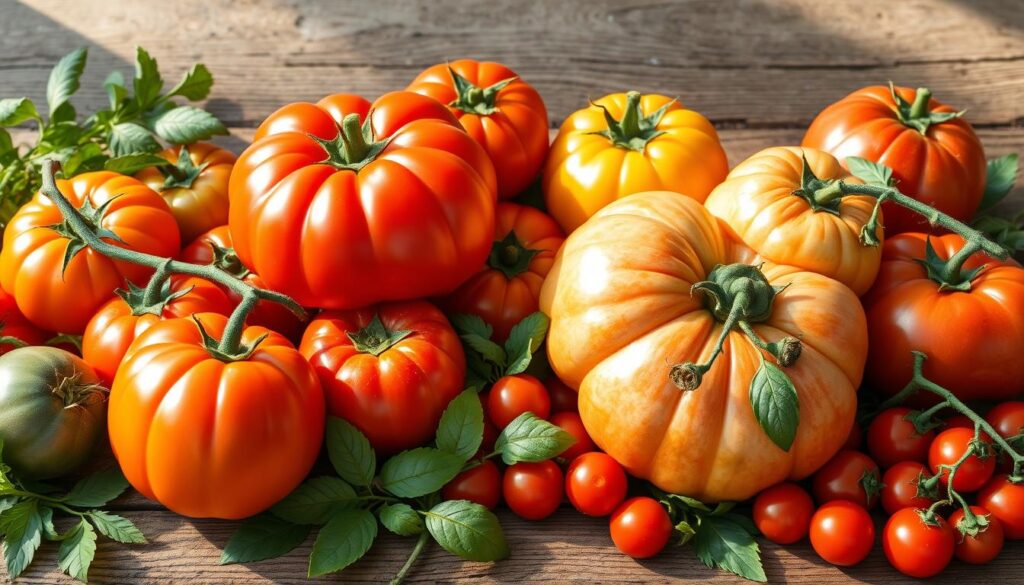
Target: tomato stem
(471, 98)
(153, 291)
(919, 109)
(421, 542)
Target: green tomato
(52, 411)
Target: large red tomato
(36, 240)
(15, 327)
(344, 203)
(390, 370)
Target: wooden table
(759, 69)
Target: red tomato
(892, 438)
(533, 490)
(407, 214)
(15, 326)
(573, 424)
(958, 421)
(900, 487)
(855, 438)
(1005, 500)
(390, 370)
(948, 448)
(596, 484)
(481, 484)
(842, 533)
(915, 547)
(983, 547)
(850, 476)
(563, 398)
(640, 527)
(511, 396)
(783, 513)
(1007, 419)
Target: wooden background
(759, 69)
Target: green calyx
(473, 99)
(820, 194)
(93, 218)
(238, 351)
(635, 129)
(72, 391)
(181, 174)
(227, 260)
(917, 115)
(354, 147)
(510, 256)
(375, 339)
(949, 274)
(151, 300)
(739, 288)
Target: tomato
(595, 484)
(850, 476)
(626, 143)
(893, 438)
(209, 438)
(511, 396)
(573, 424)
(53, 410)
(915, 547)
(563, 398)
(195, 185)
(983, 547)
(783, 513)
(900, 487)
(842, 533)
(113, 328)
(503, 113)
(948, 448)
(507, 289)
(640, 527)
(942, 165)
(33, 251)
(215, 247)
(390, 370)
(1007, 419)
(855, 438)
(622, 315)
(766, 204)
(14, 326)
(958, 421)
(480, 484)
(1006, 502)
(533, 490)
(404, 214)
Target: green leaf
(468, 530)
(22, 527)
(343, 541)
(466, 324)
(401, 519)
(130, 164)
(262, 537)
(870, 172)
(148, 82)
(14, 111)
(6, 144)
(46, 516)
(64, 78)
(64, 113)
(521, 361)
(528, 334)
(350, 452)
(186, 124)
(461, 429)
(97, 489)
(723, 543)
(195, 85)
(531, 438)
(116, 91)
(419, 472)
(315, 501)
(77, 551)
(116, 528)
(490, 351)
(89, 157)
(1000, 177)
(7, 502)
(775, 403)
(689, 502)
(130, 138)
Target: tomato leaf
(315, 501)
(419, 472)
(870, 172)
(186, 124)
(14, 111)
(130, 138)
(350, 452)
(89, 157)
(130, 164)
(6, 503)
(723, 543)
(343, 541)
(46, 516)
(471, 324)
(531, 438)
(22, 527)
(528, 334)
(262, 537)
(401, 519)
(65, 79)
(97, 489)
(461, 429)
(77, 551)
(487, 349)
(116, 91)
(1000, 176)
(195, 85)
(148, 82)
(116, 528)
(775, 403)
(468, 530)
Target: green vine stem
(421, 543)
(230, 346)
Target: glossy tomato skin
(1007, 418)
(507, 289)
(916, 548)
(900, 487)
(783, 513)
(850, 476)
(982, 548)
(114, 327)
(573, 424)
(944, 168)
(209, 439)
(396, 397)
(533, 490)
(14, 324)
(842, 533)
(416, 221)
(32, 255)
(1005, 500)
(892, 438)
(596, 484)
(480, 484)
(511, 396)
(514, 134)
(949, 446)
(640, 527)
(203, 204)
(973, 339)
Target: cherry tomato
(481, 484)
(959, 421)
(917, 548)
(511, 396)
(892, 438)
(900, 487)
(783, 513)
(983, 547)
(948, 448)
(1006, 502)
(596, 484)
(842, 533)
(573, 424)
(850, 476)
(533, 490)
(1007, 419)
(855, 438)
(563, 398)
(640, 527)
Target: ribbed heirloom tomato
(503, 113)
(344, 203)
(36, 241)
